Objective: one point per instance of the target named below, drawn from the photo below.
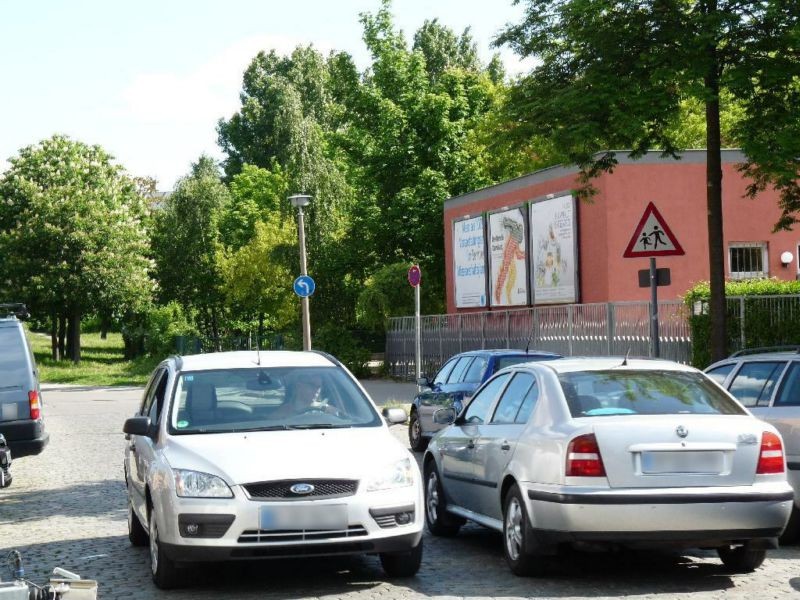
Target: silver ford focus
(613, 452)
(247, 455)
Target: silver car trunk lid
(679, 450)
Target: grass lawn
(102, 362)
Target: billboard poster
(554, 249)
(508, 256)
(469, 268)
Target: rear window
(13, 356)
(506, 361)
(606, 393)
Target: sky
(149, 80)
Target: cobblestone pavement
(66, 508)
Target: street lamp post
(299, 201)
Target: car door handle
(504, 445)
(471, 444)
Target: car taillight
(583, 457)
(36, 408)
(770, 460)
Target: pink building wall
(606, 224)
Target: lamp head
(300, 200)
(786, 258)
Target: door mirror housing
(138, 426)
(444, 416)
(394, 416)
(424, 382)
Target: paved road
(66, 508)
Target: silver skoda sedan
(246, 455)
(612, 452)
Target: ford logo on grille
(301, 489)
(681, 431)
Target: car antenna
(625, 360)
(530, 337)
(258, 349)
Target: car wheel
(789, 535)
(137, 534)
(416, 440)
(515, 532)
(741, 559)
(165, 572)
(438, 520)
(402, 564)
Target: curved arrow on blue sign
(304, 286)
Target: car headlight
(394, 475)
(193, 484)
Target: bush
(153, 331)
(338, 341)
(767, 321)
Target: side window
(475, 372)
(149, 393)
(441, 376)
(477, 411)
(789, 392)
(528, 404)
(755, 381)
(458, 371)
(158, 398)
(514, 394)
(720, 373)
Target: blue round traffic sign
(304, 286)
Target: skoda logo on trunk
(681, 431)
(301, 489)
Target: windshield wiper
(318, 426)
(240, 430)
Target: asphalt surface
(66, 508)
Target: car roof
(604, 363)
(245, 359)
(507, 352)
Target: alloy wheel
(432, 499)
(153, 544)
(514, 539)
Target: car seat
(201, 403)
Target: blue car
(455, 382)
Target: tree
(72, 236)
(186, 241)
(615, 74)
(255, 194)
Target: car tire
(515, 532)
(741, 559)
(165, 572)
(402, 564)
(789, 535)
(439, 521)
(137, 534)
(416, 440)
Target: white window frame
(749, 274)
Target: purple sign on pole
(414, 275)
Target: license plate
(706, 462)
(299, 517)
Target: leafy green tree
(72, 236)
(186, 240)
(255, 194)
(615, 74)
(386, 294)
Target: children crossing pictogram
(653, 237)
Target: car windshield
(627, 392)
(264, 399)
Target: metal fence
(615, 328)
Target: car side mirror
(138, 426)
(424, 382)
(444, 416)
(394, 416)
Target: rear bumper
(187, 553)
(25, 438)
(679, 517)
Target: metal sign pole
(303, 271)
(418, 347)
(655, 352)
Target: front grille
(281, 490)
(262, 536)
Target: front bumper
(230, 528)
(685, 517)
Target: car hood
(297, 454)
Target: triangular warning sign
(653, 237)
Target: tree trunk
(54, 337)
(62, 334)
(75, 336)
(716, 242)
(105, 325)
(260, 329)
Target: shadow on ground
(104, 498)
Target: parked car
(455, 382)
(242, 455)
(21, 420)
(768, 384)
(608, 452)
(5, 463)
